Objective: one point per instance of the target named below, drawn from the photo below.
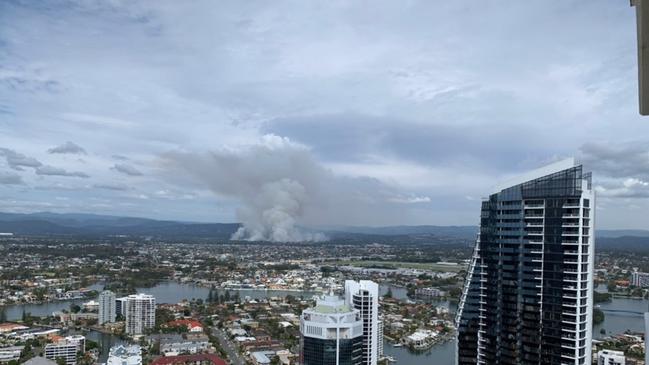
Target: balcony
(570, 215)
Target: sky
(316, 112)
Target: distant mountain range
(103, 225)
(94, 225)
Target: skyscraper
(332, 333)
(106, 307)
(140, 313)
(528, 293)
(364, 296)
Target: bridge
(622, 311)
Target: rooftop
(331, 304)
(175, 360)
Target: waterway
(441, 354)
(615, 323)
(165, 292)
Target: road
(233, 355)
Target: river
(615, 323)
(442, 354)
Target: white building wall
(139, 313)
(366, 289)
(107, 312)
(66, 348)
(610, 357)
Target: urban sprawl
(529, 291)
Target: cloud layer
(411, 111)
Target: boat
(397, 345)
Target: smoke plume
(280, 186)
(274, 181)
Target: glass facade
(528, 293)
(317, 351)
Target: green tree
(90, 345)
(60, 361)
(598, 316)
(611, 286)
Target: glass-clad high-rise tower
(332, 333)
(528, 296)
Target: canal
(441, 354)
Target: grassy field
(402, 265)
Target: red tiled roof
(190, 323)
(183, 359)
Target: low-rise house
(177, 344)
(262, 357)
(192, 325)
(6, 328)
(124, 355)
(421, 339)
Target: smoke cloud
(280, 186)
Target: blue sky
(359, 112)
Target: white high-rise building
(125, 355)
(364, 296)
(66, 348)
(640, 279)
(139, 311)
(106, 307)
(610, 357)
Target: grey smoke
(280, 186)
